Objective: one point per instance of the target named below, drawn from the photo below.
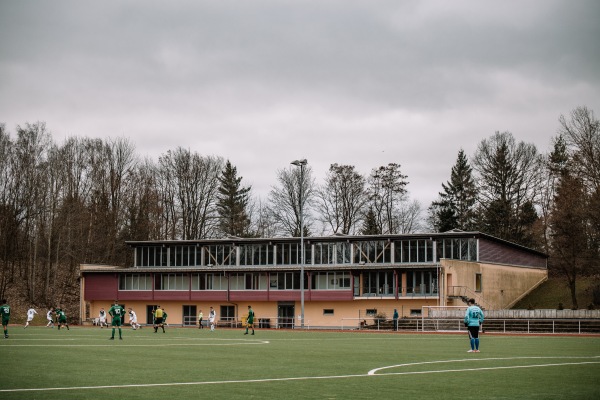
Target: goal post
(442, 318)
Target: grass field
(186, 363)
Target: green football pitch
(188, 363)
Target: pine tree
(232, 203)
(455, 207)
(370, 226)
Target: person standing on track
(250, 320)
(473, 320)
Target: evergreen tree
(455, 207)
(232, 203)
(370, 225)
(571, 253)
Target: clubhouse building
(348, 280)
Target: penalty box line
(303, 378)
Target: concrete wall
(501, 285)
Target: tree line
(62, 205)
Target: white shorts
(29, 319)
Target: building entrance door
(149, 315)
(285, 315)
(189, 315)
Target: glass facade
(333, 280)
(405, 251)
(457, 249)
(413, 251)
(373, 252)
(135, 282)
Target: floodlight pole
(301, 164)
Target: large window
(151, 256)
(135, 282)
(457, 249)
(248, 281)
(182, 256)
(221, 254)
(289, 254)
(287, 281)
(171, 282)
(208, 281)
(343, 252)
(334, 280)
(378, 283)
(256, 254)
(324, 253)
(374, 252)
(413, 251)
(421, 282)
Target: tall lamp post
(301, 164)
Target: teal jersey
(473, 316)
(117, 311)
(250, 316)
(164, 316)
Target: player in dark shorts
(5, 313)
(117, 312)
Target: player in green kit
(5, 313)
(117, 312)
(250, 320)
(62, 318)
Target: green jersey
(5, 312)
(62, 317)
(117, 312)
(250, 319)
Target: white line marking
(302, 378)
(374, 371)
(125, 344)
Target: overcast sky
(262, 83)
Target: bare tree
(509, 175)
(386, 191)
(190, 183)
(262, 220)
(408, 217)
(284, 200)
(582, 135)
(342, 199)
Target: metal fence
(491, 325)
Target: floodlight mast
(301, 163)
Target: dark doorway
(149, 315)
(189, 316)
(285, 315)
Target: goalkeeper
(250, 320)
(473, 320)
